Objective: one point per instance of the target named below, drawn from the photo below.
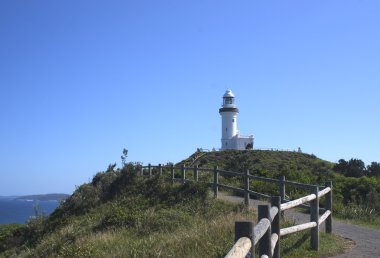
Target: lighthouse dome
(228, 94)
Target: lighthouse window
(233, 120)
(228, 101)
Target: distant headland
(44, 197)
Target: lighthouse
(231, 139)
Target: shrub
(10, 236)
(83, 199)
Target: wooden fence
(267, 232)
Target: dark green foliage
(10, 235)
(14, 235)
(83, 199)
(103, 182)
(364, 191)
(373, 169)
(356, 168)
(124, 156)
(341, 167)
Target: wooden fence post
(314, 216)
(282, 192)
(282, 188)
(276, 201)
(150, 170)
(160, 169)
(183, 174)
(246, 187)
(265, 241)
(216, 182)
(245, 229)
(328, 206)
(196, 173)
(172, 172)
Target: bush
(86, 196)
(9, 236)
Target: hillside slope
(296, 166)
(356, 198)
(121, 214)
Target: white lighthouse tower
(231, 139)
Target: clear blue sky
(81, 80)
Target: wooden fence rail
(267, 232)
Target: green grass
(298, 245)
(133, 217)
(200, 237)
(201, 234)
(356, 200)
(357, 214)
(120, 214)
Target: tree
(374, 169)
(111, 167)
(341, 166)
(124, 156)
(356, 168)
(352, 168)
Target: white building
(231, 139)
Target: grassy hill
(294, 165)
(121, 214)
(357, 199)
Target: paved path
(365, 241)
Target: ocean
(18, 211)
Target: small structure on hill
(231, 138)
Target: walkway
(366, 241)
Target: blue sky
(81, 80)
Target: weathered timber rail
(267, 232)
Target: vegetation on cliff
(356, 187)
(121, 214)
